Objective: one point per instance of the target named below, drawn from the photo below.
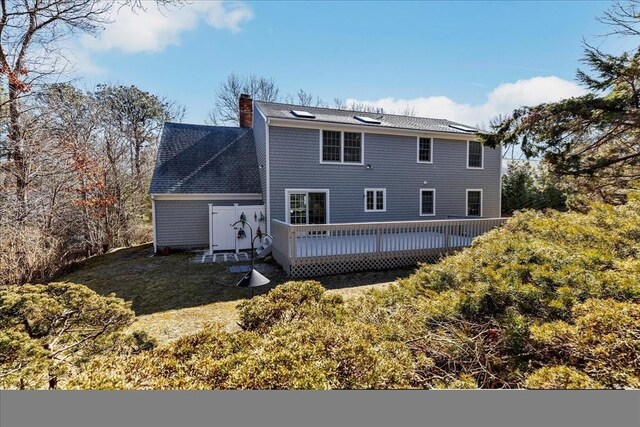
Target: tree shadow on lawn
(160, 283)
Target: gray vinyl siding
(184, 224)
(294, 163)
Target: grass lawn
(173, 296)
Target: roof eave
(206, 196)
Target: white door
(223, 237)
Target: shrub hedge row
(551, 300)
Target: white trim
(481, 155)
(315, 124)
(207, 196)
(434, 202)
(155, 229)
(466, 203)
(418, 138)
(255, 104)
(287, 202)
(267, 200)
(210, 229)
(342, 162)
(384, 199)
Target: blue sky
(469, 60)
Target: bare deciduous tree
(622, 17)
(225, 108)
(357, 106)
(368, 108)
(305, 99)
(45, 157)
(30, 35)
(92, 157)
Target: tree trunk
(17, 153)
(137, 149)
(53, 382)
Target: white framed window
(341, 147)
(475, 155)
(427, 202)
(375, 199)
(474, 202)
(425, 150)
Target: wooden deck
(312, 250)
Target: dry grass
(173, 296)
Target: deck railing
(325, 248)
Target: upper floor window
(425, 150)
(474, 155)
(341, 147)
(331, 146)
(375, 199)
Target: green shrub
(286, 303)
(47, 329)
(603, 341)
(550, 300)
(560, 377)
(142, 341)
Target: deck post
(378, 238)
(447, 232)
(292, 243)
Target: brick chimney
(246, 111)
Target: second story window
(341, 147)
(425, 150)
(474, 155)
(331, 146)
(352, 147)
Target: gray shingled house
(297, 165)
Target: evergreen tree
(593, 141)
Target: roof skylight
(463, 128)
(303, 114)
(367, 120)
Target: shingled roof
(332, 115)
(205, 159)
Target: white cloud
(501, 100)
(154, 29)
(79, 61)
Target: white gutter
(267, 200)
